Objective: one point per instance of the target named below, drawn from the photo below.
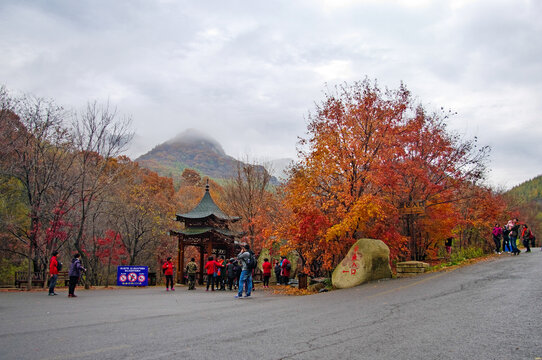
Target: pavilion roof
(205, 209)
(197, 231)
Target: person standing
(76, 269)
(168, 272)
(220, 274)
(266, 267)
(277, 270)
(237, 268)
(497, 234)
(211, 268)
(285, 266)
(448, 245)
(191, 269)
(506, 239)
(53, 270)
(514, 232)
(246, 273)
(526, 235)
(231, 273)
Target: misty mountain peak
(193, 137)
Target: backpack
(58, 265)
(251, 262)
(289, 266)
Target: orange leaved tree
(367, 151)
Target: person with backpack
(247, 259)
(191, 269)
(285, 266)
(497, 234)
(54, 267)
(526, 236)
(76, 269)
(168, 272)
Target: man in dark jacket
(231, 273)
(277, 272)
(75, 273)
(514, 232)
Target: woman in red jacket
(168, 271)
(285, 266)
(266, 267)
(211, 268)
(53, 270)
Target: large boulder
(367, 260)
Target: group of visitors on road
(235, 274)
(509, 235)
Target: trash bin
(152, 279)
(302, 279)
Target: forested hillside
(528, 191)
(526, 199)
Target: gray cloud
(247, 73)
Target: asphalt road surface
(490, 310)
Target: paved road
(491, 310)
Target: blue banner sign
(132, 275)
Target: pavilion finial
(207, 186)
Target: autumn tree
(367, 151)
(247, 195)
(143, 213)
(98, 137)
(38, 153)
(433, 165)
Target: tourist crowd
(506, 237)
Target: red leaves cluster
(110, 249)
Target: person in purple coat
(76, 269)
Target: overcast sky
(248, 72)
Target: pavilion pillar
(180, 271)
(178, 255)
(201, 264)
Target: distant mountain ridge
(530, 190)
(190, 149)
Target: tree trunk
(30, 267)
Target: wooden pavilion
(208, 228)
